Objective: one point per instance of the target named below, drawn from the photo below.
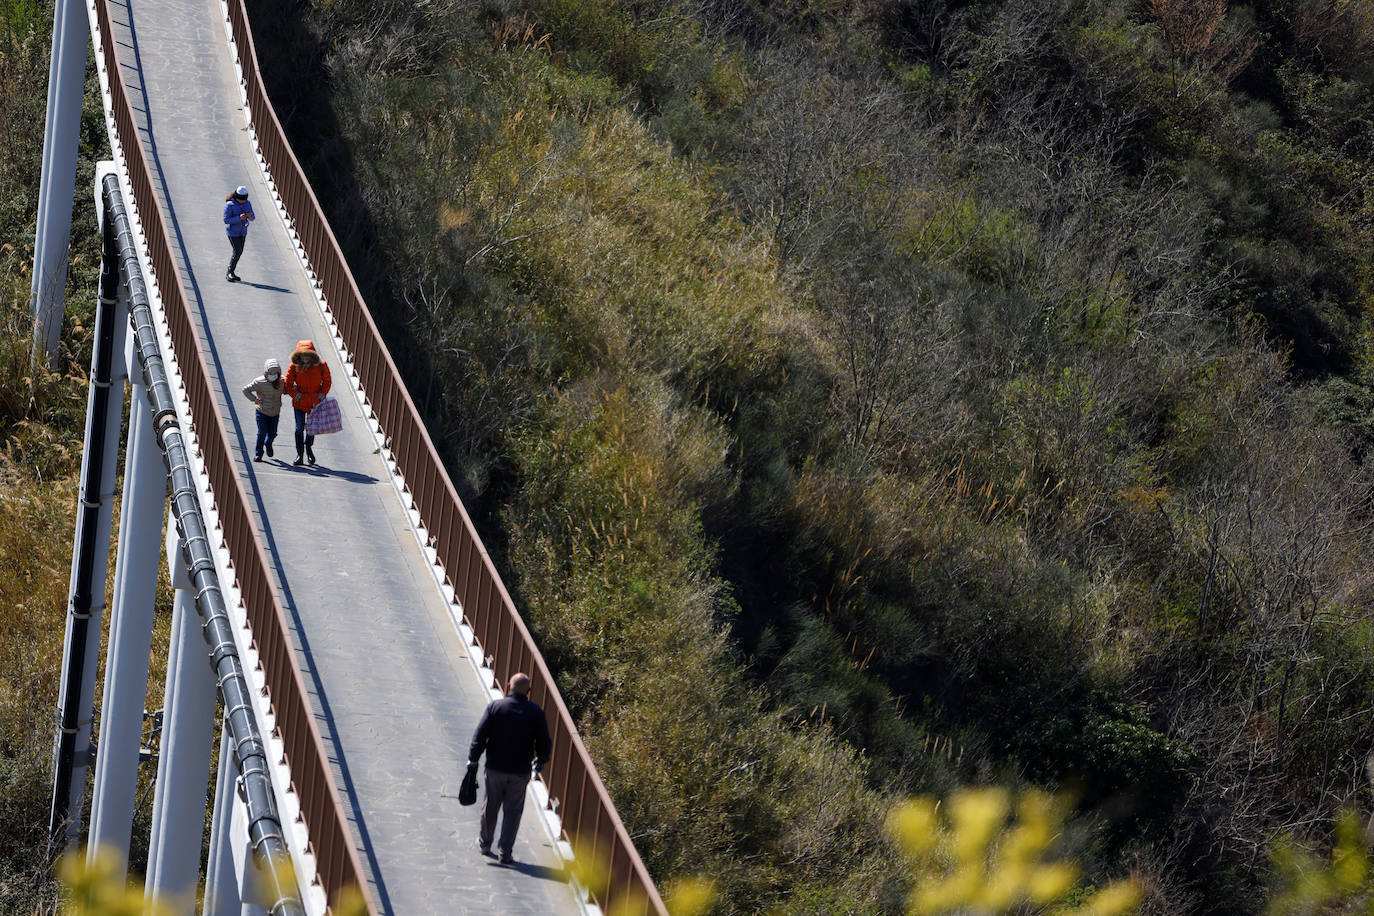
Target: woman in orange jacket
(307, 382)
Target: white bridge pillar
(183, 765)
(221, 886)
(131, 629)
(57, 187)
(234, 883)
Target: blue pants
(236, 245)
(302, 440)
(267, 431)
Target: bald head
(520, 683)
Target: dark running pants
(267, 430)
(505, 793)
(236, 243)
(302, 440)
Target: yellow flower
(97, 888)
(1350, 858)
(973, 861)
(589, 870)
(976, 815)
(955, 891)
(690, 896)
(1115, 899)
(1049, 883)
(914, 824)
(1005, 886)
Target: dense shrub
(944, 398)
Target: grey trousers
(505, 792)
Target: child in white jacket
(265, 391)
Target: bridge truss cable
(255, 786)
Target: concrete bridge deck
(394, 694)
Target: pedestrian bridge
(356, 625)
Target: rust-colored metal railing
(585, 808)
(336, 856)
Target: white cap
(242, 191)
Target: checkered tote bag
(324, 418)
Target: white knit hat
(242, 191)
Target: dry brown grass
(35, 552)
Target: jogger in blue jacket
(238, 213)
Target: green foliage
(23, 52)
(1107, 748)
(1349, 407)
(930, 400)
(921, 413)
(615, 581)
(987, 242)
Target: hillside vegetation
(866, 399)
(42, 415)
(40, 425)
(861, 400)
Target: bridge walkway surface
(394, 694)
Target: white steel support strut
(70, 37)
(131, 628)
(183, 765)
(155, 829)
(221, 879)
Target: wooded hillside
(865, 400)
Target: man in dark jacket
(513, 732)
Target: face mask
(273, 376)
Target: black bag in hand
(467, 792)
